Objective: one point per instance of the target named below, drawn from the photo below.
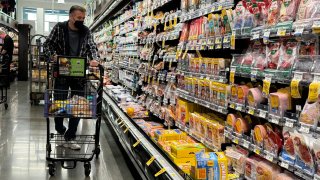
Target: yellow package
(215, 70)
(190, 160)
(206, 166)
(209, 64)
(192, 65)
(188, 84)
(223, 165)
(192, 123)
(195, 86)
(168, 135)
(185, 167)
(213, 91)
(184, 110)
(206, 93)
(186, 150)
(203, 127)
(197, 65)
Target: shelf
(215, 7)
(157, 6)
(124, 20)
(145, 143)
(185, 95)
(220, 79)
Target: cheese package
(231, 120)
(190, 160)
(206, 166)
(184, 108)
(186, 150)
(185, 167)
(223, 166)
(169, 135)
(195, 86)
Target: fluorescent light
(61, 1)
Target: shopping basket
(64, 103)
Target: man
(6, 52)
(70, 38)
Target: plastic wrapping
(273, 54)
(308, 9)
(288, 10)
(288, 153)
(302, 147)
(273, 13)
(288, 54)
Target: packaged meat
(310, 114)
(288, 10)
(285, 176)
(231, 120)
(260, 62)
(279, 103)
(259, 135)
(309, 45)
(288, 54)
(308, 9)
(241, 125)
(302, 147)
(238, 16)
(273, 54)
(316, 150)
(255, 97)
(267, 171)
(288, 153)
(242, 92)
(273, 13)
(251, 165)
(272, 141)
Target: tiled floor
(23, 142)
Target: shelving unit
(193, 66)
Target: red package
(288, 54)
(273, 14)
(273, 55)
(288, 10)
(302, 150)
(184, 33)
(272, 142)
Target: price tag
(136, 144)
(246, 144)
(256, 36)
(263, 114)
(251, 111)
(220, 7)
(266, 33)
(235, 140)
(305, 129)
(232, 106)
(150, 161)
(281, 32)
(218, 40)
(239, 108)
(269, 157)
(316, 78)
(288, 124)
(284, 165)
(257, 151)
(298, 31)
(233, 41)
(294, 85)
(213, 8)
(220, 109)
(275, 120)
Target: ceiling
(66, 1)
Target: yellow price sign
(314, 91)
(136, 144)
(163, 170)
(150, 161)
(281, 32)
(163, 43)
(266, 86)
(294, 85)
(232, 75)
(175, 21)
(220, 7)
(257, 151)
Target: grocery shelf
(186, 95)
(146, 143)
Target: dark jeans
(61, 87)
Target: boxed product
(190, 160)
(184, 108)
(206, 166)
(186, 150)
(169, 135)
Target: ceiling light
(61, 1)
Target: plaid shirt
(58, 42)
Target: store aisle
(23, 139)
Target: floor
(23, 142)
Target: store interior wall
(38, 25)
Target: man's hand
(94, 63)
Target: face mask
(79, 24)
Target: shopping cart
(4, 82)
(85, 104)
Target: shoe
(72, 145)
(60, 140)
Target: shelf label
(284, 165)
(136, 144)
(150, 161)
(256, 36)
(213, 8)
(251, 111)
(246, 144)
(263, 114)
(257, 151)
(299, 31)
(220, 109)
(232, 74)
(269, 157)
(314, 91)
(305, 129)
(274, 120)
(239, 108)
(289, 124)
(281, 32)
(160, 172)
(232, 105)
(220, 7)
(235, 140)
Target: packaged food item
(242, 93)
(267, 170)
(186, 150)
(184, 5)
(222, 173)
(273, 54)
(285, 176)
(303, 152)
(231, 120)
(255, 97)
(169, 135)
(316, 150)
(207, 166)
(288, 54)
(241, 125)
(272, 141)
(288, 153)
(195, 86)
(308, 46)
(260, 133)
(184, 108)
(209, 64)
(206, 93)
(279, 103)
(251, 166)
(237, 156)
(273, 14)
(288, 10)
(310, 114)
(308, 9)
(185, 32)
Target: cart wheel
(6, 106)
(52, 169)
(97, 152)
(87, 169)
